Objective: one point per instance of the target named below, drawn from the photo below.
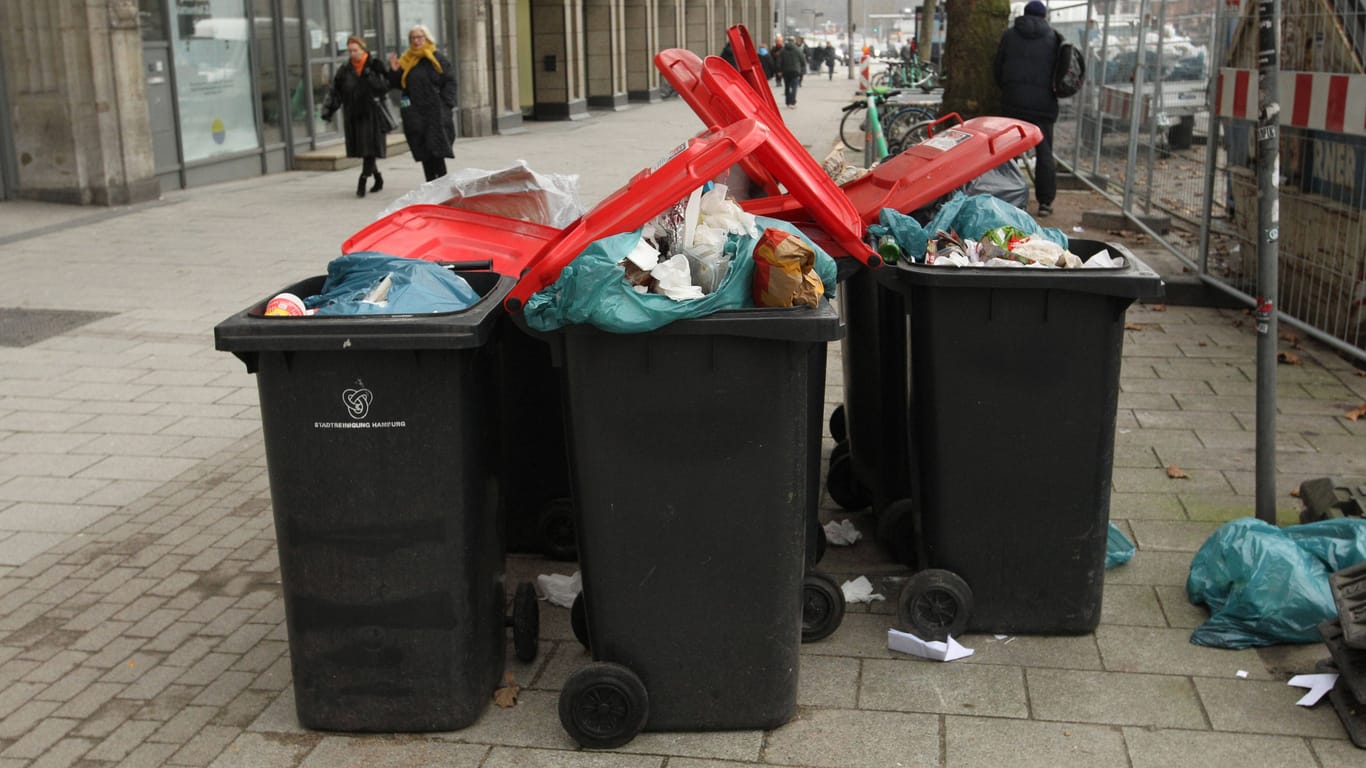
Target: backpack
(1069, 70)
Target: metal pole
(1100, 92)
(1080, 104)
(1135, 104)
(1156, 106)
(1268, 228)
(849, 36)
(1212, 134)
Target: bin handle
(1016, 127)
(468, 266)
(704, 158)
(943, 118)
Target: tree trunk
(924, 34)
(974, 29)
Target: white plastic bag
(516, 192)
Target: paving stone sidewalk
(141, 622)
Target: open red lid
(683, 69)
(747, 61)
(445, 234)
(950, 158)
(646, 195)
(789, 162)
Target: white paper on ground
(905, 642)
(859, 590)
(841, 533)
(1318, 685)
(559, 589)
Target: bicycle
(909, 74)
(895, 119)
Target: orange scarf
(359, 66)
(410, 58)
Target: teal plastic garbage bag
(592, 289)
(415, 287)
(972, 216)
(1266, 585)
(1118, 549)
(910, 236)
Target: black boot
(360, 186)
(379, 183)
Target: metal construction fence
(1165, 127)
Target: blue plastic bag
(911, 238)
(1266, 585)
(592, 289)
(1118, 549)
(972, 216)
(416, 287)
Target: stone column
(699, 35)
(605, 53)
(642, 43)
(558, 60)
(474, 69)
(77, 97)
(507, 99)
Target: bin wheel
(841, 484)
(822, 607)
(555, 526)
(838, 429)
(896, 530)
(935, 604)
(526, 622)
(603, 705)
(841, 449)
(578, 620)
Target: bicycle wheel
(879, 80)
(852, 127)
(910, 136)
(897, 124)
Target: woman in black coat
(428, 84)
(354, 89)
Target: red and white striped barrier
(1320, 101)
(865, 75)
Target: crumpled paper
(934, 650)
(559, 589)
(859, 590)
(841, 533)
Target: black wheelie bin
(691, 453)
(391, 555)
(1014, 380)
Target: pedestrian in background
(1023, 69)
(355, 89)
(791, 65)
(830, 60)
(427, 81)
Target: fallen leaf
(1134, 326)
(1175, 473)
(506, 696)
(1157, 307)
(1356, 412)
(1291, 338)
(1204, 343)
(1288, 358)
(1359, 373)
(1295, 492)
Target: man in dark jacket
(791, 64)
(1024, 70)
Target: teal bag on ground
(1118, 549)
(415, 287)
(592, 289)
(1266, 585)
(972, 216)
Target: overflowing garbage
(370, 283)
(703, 255)
(516, 192)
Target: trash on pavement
(841, 533)
(559, 589)
(371, 283)
(859, 590)
(1118, 549)
(516, 192)
(934, 650)
(1319, 685)
(1266, 585)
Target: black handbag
(385, 118)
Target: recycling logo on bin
(357, 401)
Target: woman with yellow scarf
(428, 83)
